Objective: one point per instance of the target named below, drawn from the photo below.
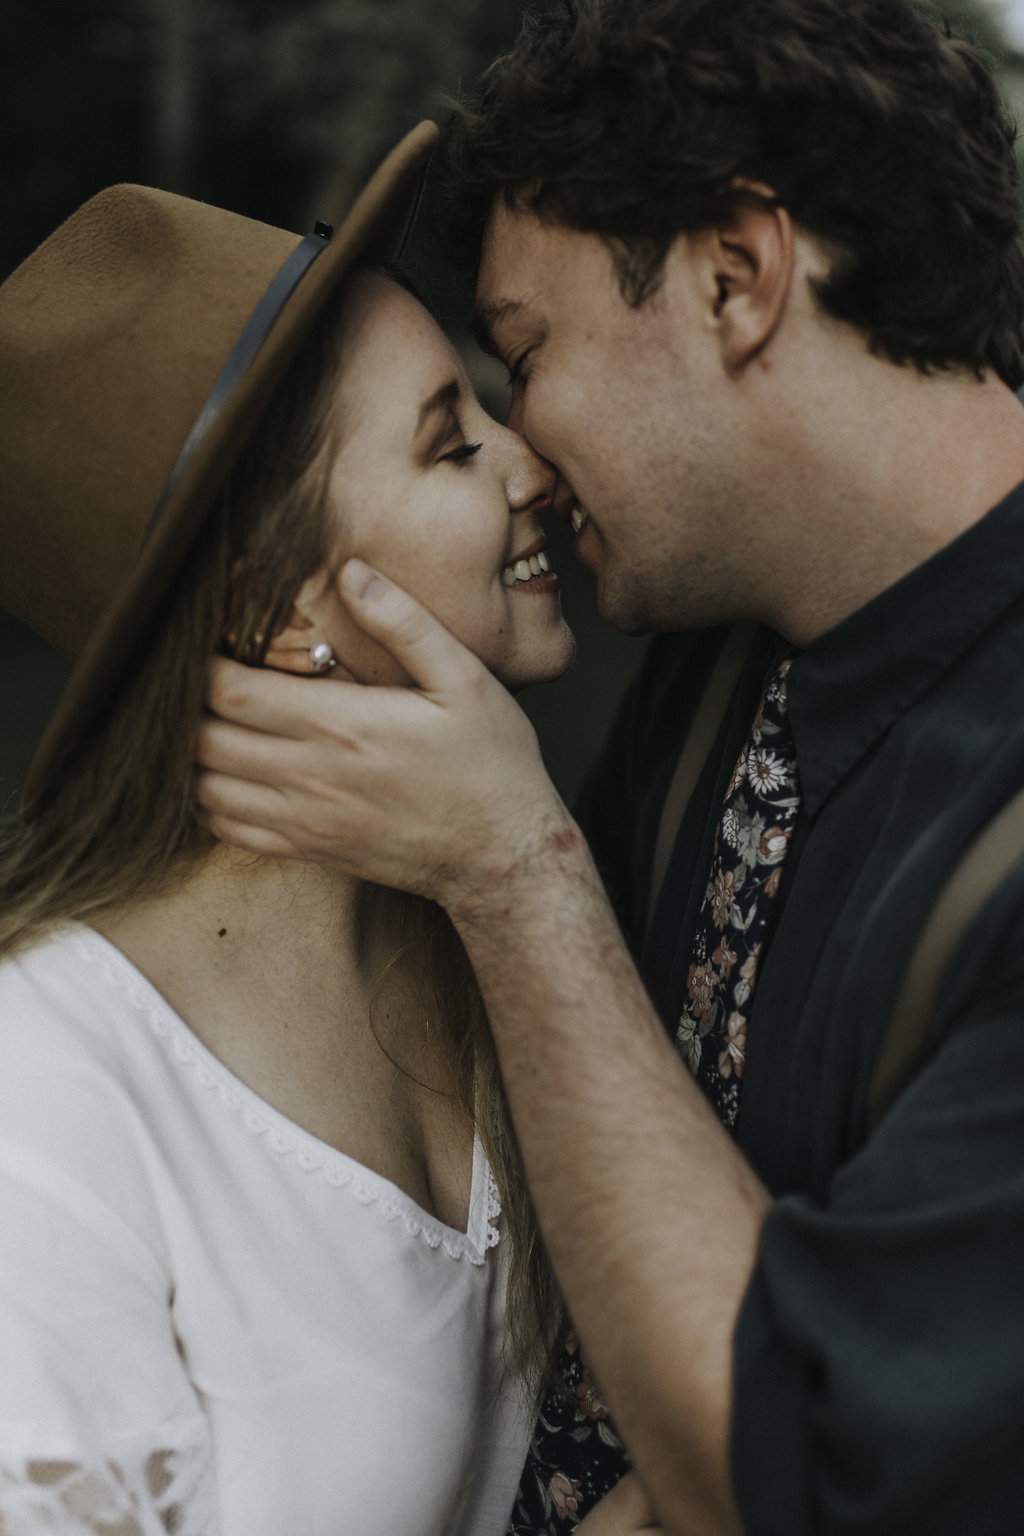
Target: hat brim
(377, 225)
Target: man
(755, 269)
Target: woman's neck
(267, 928)
(287, 974)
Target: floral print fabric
(757, 820)
(575, 1457)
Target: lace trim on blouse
(280, 1134)
(162, 1493)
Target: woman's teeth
(525, 570)
(578, 517)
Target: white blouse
(210, 1321)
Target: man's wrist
(554, 855)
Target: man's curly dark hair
(879, 130)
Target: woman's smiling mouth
(531, 565)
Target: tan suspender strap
(981, 870)
(700, 739)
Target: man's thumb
(428, 652)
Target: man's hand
(437, 789)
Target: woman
(253, 1276)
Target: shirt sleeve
(878, 1368)
(100, 1429)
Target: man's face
(631, 406)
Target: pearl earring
(321, 658)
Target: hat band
(254, 333)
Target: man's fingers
(243, 754)
(251, 839)
(429, 653)
(358, 777)
(262, 699)
(241, 800)
(293, 823)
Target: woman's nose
(529, 479)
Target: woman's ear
(291, 644)
(749, 260)
(307, 623)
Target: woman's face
(431, 491)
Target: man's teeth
(524, 570)
(578, 517)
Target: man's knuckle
(230, 696)
(308, 785)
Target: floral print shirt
(575, 1457)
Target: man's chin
(624, 611)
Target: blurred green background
(277, 109)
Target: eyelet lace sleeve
(164, 1493)
(102, 1432)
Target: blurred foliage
(978, 21)
(274, 107)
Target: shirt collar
(853, 682)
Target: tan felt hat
(138, 346)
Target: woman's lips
(530, 566)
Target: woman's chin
(542, 668)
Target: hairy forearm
(650, 1214)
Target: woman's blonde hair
(123, 823)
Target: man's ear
(749, 259)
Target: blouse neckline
(283, 1137)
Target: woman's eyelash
(462, 452)
(515, 370)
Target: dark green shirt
(879, 1356)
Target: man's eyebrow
(486, 316)
(446, 396)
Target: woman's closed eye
(460, 453)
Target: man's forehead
(518, 264)
(536, 274)
(527, 260)
(517, 246)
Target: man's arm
(651, 1215)
(624, 1511)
